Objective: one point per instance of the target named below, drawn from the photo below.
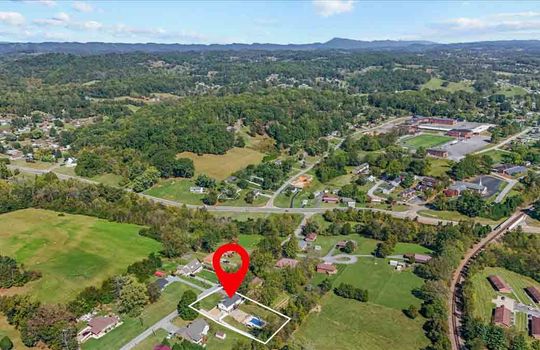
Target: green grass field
(512, 91)
(436, 84)
(345, 324)
(133, 327)
(152, 340)
(484, 292)
(106, 179)
(426, 140)
(498, 156)
(386, 286)
(222, 166)
(438, 167)
(177, 190)
(71, 251)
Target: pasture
(426, 141)
(348, 324)
(71, 251)
(439, 84)
(221, 166)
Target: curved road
(454, 316)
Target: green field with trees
(71, 251)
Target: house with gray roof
(195, 332)
(228, 304)
(461, 186)
(191, 268)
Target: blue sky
(266, 21)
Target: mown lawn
(71, 251)
(426, 140)
(498, 156)
(222, 166)
(345, 324)
(133, 326)
(484, 292)
(152, 340)
(455, 216)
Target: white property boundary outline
(234, 329)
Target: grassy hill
(71, 251)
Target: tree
(211, 198)
(350, 246)
(184, 311)
(153, 292)
(132, 296)
(205, 181)
(519, 343)
(4, 171)
(6, 343)
(412, 312)
(290, 249)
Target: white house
(228, 304)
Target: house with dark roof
(499, 284)
(195, 332)
(534, 293)
(161, 283)
(228, 304)
(502, 317)
(191, 268)
(98, 326)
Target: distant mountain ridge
(333, 44)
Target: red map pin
(231, 281)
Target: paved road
(164, 323)
(371, 192)
(510, 183)
(508, 140)
(454, 316)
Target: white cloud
(82, 6)
(328, 8)
(48, 3)
(518, 22)
(60, 19)
(12, 18)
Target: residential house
(195, 332)
(330, 198)
(502, 317)
(361, 169)
(342, 244)
(228, 304)
(327, 268)
(450, 192)
(197, 189)
(429, 182)
(161, 283)
(499, 284)
(535, 327)
(534, 293)
(311, 237)
(418, 258)
(398, 265)
(351, 203)
(193, 267)
(407, 194)
(286, 262)
(97, 327)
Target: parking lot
(460, 149)
(492, 184)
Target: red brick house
(329, 269)
(311, 237)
